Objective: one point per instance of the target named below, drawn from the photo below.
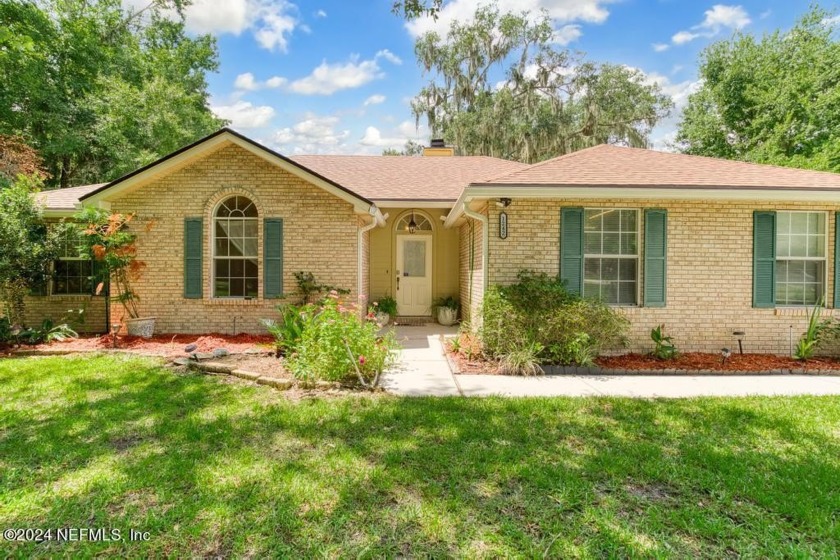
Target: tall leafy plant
(26, 246)
(810, 340)
(106, 237)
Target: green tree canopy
(501, 87)
(99, 90)
(411, 148)
(770, 100)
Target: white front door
(414, 274)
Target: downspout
(378, 219)
(485, 246)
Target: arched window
(235, 234)
(421, 223)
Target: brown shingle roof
(406, 177)
(65, 199)
(607, 165)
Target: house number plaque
(503, 231)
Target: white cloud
(247, 82)
(313, 135)
(831, 21)
(560, 12)
(375, 99)
(765, 14)
(271, 22)
(243, 114)
(327, 78)
(716, 20)
(683, 37)
(389, 56)
(320, 14)
(661, 47)
(566, 34)
(409, 129)
(373, 137)
(275, 82)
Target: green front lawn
(210, 467)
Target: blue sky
(333, 76)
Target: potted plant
(384, 309)
(113, 248)
(446, 310)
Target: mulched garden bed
(166, 345)
(689, 363)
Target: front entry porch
(415, 260)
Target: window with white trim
(801, 240)
(611, 255)
(235, 249)
(72, 271)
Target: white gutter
(485, 240)
(378, 219)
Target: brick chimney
(438, 148)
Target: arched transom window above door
(235, 249)
(421, 223)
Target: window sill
(69, 297)
(233, 302)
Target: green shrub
(664, 348)
(338, 345)
(47, 332)
(538, 310)
(522, 361)
(811, 338)
(288, 331)
(386, 305)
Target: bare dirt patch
(167, 345)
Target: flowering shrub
(338, 345)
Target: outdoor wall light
(503, 202)
(412, 225)
(739, 335)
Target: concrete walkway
(423, 371)
(648, 386)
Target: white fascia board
(385, 203)
(770, 194)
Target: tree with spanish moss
(500, 86)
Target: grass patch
(219, 469)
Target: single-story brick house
(706, 246)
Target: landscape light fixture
(740, 336)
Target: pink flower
(361, 360)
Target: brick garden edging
(578, 370)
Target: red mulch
(689, 361)
(710, 361)
(166, 344)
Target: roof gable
(208, 145)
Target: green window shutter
(571, 249)
(273, 257)
(656, 253)
(764, 259)
(837, 260)
(193, 255)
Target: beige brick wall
(709, 280)
(320, 236)
(65, 309)
(471, 277)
